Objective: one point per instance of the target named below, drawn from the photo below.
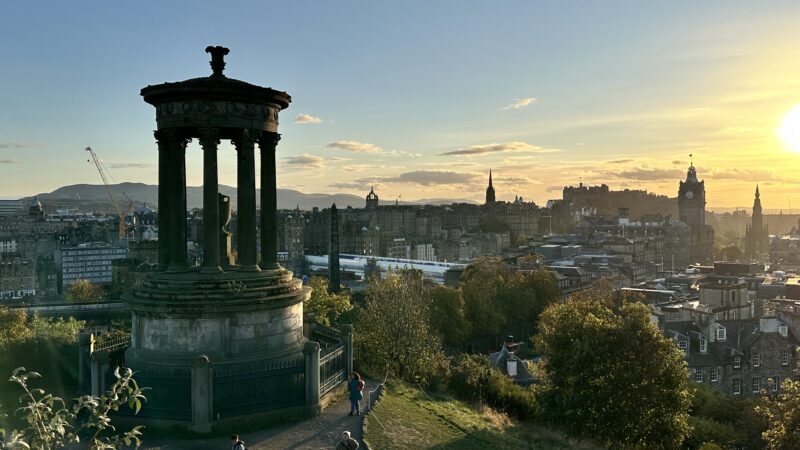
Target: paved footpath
(321, 432)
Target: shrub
(473, 379)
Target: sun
(789, 129)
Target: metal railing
(332, 369)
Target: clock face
(689, 194)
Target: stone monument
(224, 339)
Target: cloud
(132, 165)
(355, 185)
(355, 146)
(619, 161)
(14, 145)
(648, 174)
(513, 146)
(427, 178)
(9, 161)
(307, 118)
(520, 103)
(307, 161)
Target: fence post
(201, 395)
(84, 354)
(311, 352)
(347, 341)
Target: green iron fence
(256, 387)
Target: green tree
(393, 329)
(327, 307)
(13, 327)
(447, 315)
(782, 414)
(613, 376)
(84, 291)
(53, 424)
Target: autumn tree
(84, 291)
(782, 413)
(327, 307)
(612, 376)
(393, 331)
(13, 327)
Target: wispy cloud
(619, 161)
(132, 165)
(307, 119)
(514, 146)
(357, 185)
(520, 103)
(14, 145)
(427, 178)
(355, 146)
(9, 161)
(306, 161)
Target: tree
(13, 327)
(447, 315)
(393, 329)
(84, 291)
(613, 376)
(327, 307)
(53, 424)
(782, 413)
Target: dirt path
(320, 432)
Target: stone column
(163, 199)
(175, 195)
(202, 393)
(209, 140)
(347, 340)
(269, 201)
(311, 352)
(246, 191)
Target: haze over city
(421, 99)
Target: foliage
(327, 307)
(85, 291)
(53, 424)
(13, 326)
(448, 316)
(726, 420)
(497, 297)
(473, 379)
(709, 446)
(782, 413)
(612, 375)
(394, 332)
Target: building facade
(91, 261)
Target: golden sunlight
(789, 130)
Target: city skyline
(388, 96)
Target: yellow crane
(123, 229)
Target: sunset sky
(421, 98)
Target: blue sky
(615, 92)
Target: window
(737, 386)
(698, 374)
(721, 334)
(783, 330)
(714, 375)
(737, 362)
(776, 383)
(756, 385)
(756, 360)
(703, 345)
(683, 345)
(785, 358)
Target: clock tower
(692, 201)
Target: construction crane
(123, 229)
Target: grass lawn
(406, 418)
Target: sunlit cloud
(520, 103)
(306, 119)
(355, 146)
(426, 178)
(307, 161)
(514, 146)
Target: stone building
(728, 297)
(738, 357)
(17, 278)
(692, 212)
(91, 261)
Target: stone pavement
(321, 432)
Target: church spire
(490, 190)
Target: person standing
(347, 442)
(356, 389)
(236, 443)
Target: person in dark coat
(236, 443)
(347, 442)
(356, 389)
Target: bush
(472, 379)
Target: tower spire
(490, 190)
(490, 177)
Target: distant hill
(95, 197)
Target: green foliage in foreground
(327, 307)
(16, 329)
(612, 376)
(53, 424)
(408, 418)
(782, 413)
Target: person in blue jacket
(356, 389)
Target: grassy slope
(407, 418)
